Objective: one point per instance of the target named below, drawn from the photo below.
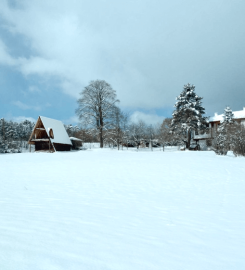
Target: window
(51, 133)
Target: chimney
(216, 114)
(244, 108)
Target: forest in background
(102, 120)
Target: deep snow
(127, 210)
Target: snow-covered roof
(75, 139)
(219, 117)
(60, 134)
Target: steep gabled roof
(60, 134)
(219, 117)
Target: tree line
(101, 117)
(102, 120)
(13, 135)
(230, 136)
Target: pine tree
(238, 140)
(12, 134)
(188, 114)
(228, 116)
(224, 135)
(3, 143)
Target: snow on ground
(91, 145)
(122, 210)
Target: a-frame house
(50, 135)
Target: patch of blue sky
(32, 96)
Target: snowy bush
(238, 141)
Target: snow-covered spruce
(226, 130)
(188, 114)
(238, 141)
(13, 135)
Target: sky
(146, 49)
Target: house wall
(42, 146)
(213, 128)
(62, 147)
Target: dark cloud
(147, 50)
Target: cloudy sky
(146, 49)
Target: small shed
(50, 135)
(76, 143)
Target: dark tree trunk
(188, 144)
(3, 131)
(101, 138)
(101, 128)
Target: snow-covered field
(122, 210)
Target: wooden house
(214, 122)
(50, 135)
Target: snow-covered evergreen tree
(13, 134)
(2, 129)
(238, 140)
(223, 138)
(188, 115)
(228, 116)
(3, 143)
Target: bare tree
(152, 136)
(167, 136)
(96, 106)
(125, 129)
(138, 133)
(118, 133)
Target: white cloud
(70, 43)
(5, 57)
(148, 118)
(22, 118)
(21, 105)
(24, 106)
(72, 120)
(34, 89)
(146, 50)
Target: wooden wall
(62, 147)
(43, 146)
